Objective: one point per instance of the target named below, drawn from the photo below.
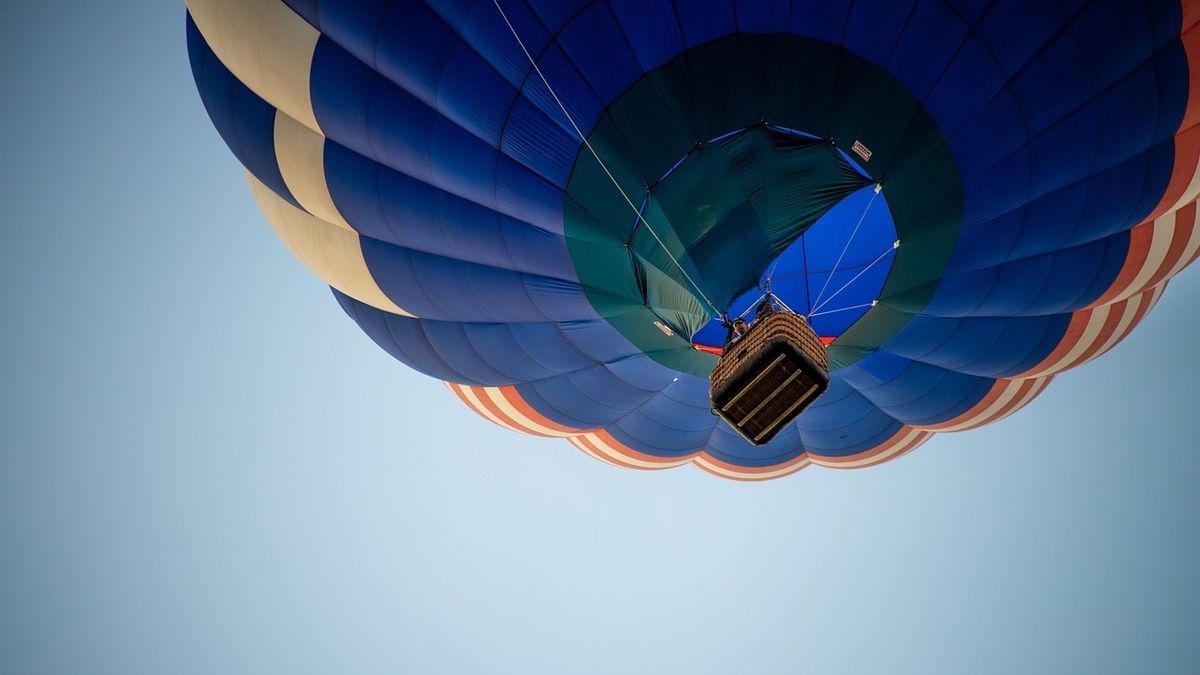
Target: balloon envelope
(967, 198)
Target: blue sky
(206, 468)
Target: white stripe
(1095, 323)
(608, 450)
(1191, 192)
(330, 252)
(1189, 251)
(497, 397)
(1161, 238)
(574, 440)
(1128, 312)
(267, 46)
(475, 404)
(1033, 393)
(764, 475)
(1011, 387)
(896, 448)
(300, 153)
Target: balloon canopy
(551, 204)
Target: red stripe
(515, 399)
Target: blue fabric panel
(596, 46)
(914, 392)
(724, 444)
(245, 122)
(367, 114)
(769, 16)
(845, 424)
(657, 425)
(820, 19)
(309, 9)
(651, 29)
(1052, 283)
(437, 287)
(402, 338)
(985, 346)
(1016, 31)
(554, 14)
(875, 26)
(391, 207)
(931, 39)
(704, 20)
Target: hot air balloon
(552, 205)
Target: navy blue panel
(914, 392)
(448, 154)
(443, 288)
(389, 206)
(651, 29)
(985, 346)
(245, 121)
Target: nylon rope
(637, 212)
(817, 303)
(895, 245)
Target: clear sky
(206, 468)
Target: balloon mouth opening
(810, 278)
(813, 237)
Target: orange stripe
(1115, 314)
(589, 448)
(1181, 236)
(515, 399)
(1079, 322)
(1187, 137)
(1140, 240)
(618, 446)
(999, 387)
(897, 439)
(460, 391)
(1148, 303)
(494, 409)
(1024, 397)
(746, 474)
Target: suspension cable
(878, 189)
(599, 161)
(895, 245)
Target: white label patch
(861, 150)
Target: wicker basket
(769, 376)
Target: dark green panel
(731, 205)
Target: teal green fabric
(724, 208)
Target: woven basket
(769, 376)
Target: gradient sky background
(206, 468)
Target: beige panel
(300, 152)
(332, 253)
(267, 46)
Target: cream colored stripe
(1189, 251)
(575, 441)
(1029, 396)
(897, 448)
(477, 405)
(1095, 323)
(635, 461)
(332, 253)
(759, 475)
(267, 46)
(519, 418)
(1160, 245)
(300, 152)
(1011, 388)
(1128, 312)
(1192, 191)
